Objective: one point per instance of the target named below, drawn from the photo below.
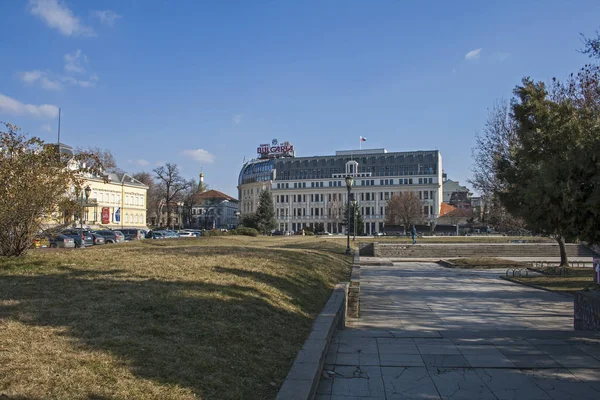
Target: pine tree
(265, 214)
(355, 215)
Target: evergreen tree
(265, 214)
(355, 215)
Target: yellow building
(118, 203)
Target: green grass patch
(575, 280)
(215, 317)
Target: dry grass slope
(577, 279)
(209, 318)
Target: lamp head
(349, 181)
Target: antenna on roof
(59, 126)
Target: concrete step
(478, 250)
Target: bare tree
(335, 211)
(188, 197)
(152, 196)
(455, 216)
(99, 158)
(404, 208)
(170, 187)
(492, 145)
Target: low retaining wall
(366, 249)
(354, 288)
(302, 380)
(586, 311)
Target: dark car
(133, 234)
(81, 239)
(109, 236)
(62, 241)
(277, 233)
(98, 239)
(155, 235)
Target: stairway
(398, 250)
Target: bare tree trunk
(564, 261)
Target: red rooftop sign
(275, 149)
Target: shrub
(215, 232)
(246, 231)
(309, 233)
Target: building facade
(118, 203)
(456, 194)
(115, 201)
(214, 210)
(311, 191)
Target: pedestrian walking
(414, 234)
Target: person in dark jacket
(413, 233)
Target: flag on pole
(363, 139)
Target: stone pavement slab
(428, 332)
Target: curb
(303, 379)
(531, 285)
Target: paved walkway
(428, 332)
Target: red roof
(446, 208)
(212, 195)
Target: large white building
(311, 191)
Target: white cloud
(91, 82)
(74, 62)
(46, 128)
(58, 16)
(237, 118)
(473, 54)
(40, 78)
(8, 105)
(200, 155)
(107, 17)
(141, 162)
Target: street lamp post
(349, 182)
(180, 210)
(354, 203)
(85, 193)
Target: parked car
(110, 237)
(120, 236)
(170, 234)
(277, 233)
(58, 240)
(325, 233)
(186, 234)
(155, 235)
(133, 234)
(98, 239)
(81, 238)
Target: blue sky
(202, 84)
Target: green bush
(309, 233)
(245, 231)
(215, 232)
